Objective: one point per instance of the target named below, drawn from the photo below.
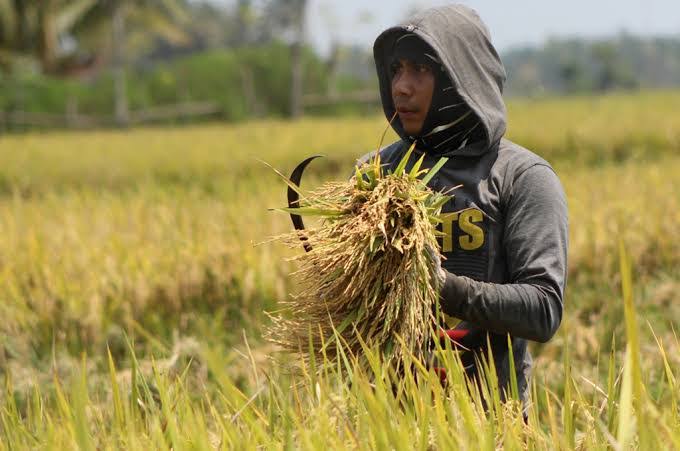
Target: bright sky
(511, 22)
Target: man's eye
(423, 68)
(395, 68)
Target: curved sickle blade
(294, 199)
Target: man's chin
(411, 129)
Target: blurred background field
(134, 205)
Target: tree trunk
(296, 48)
(332, 69)
(121, 108)
(72, 111)
(243, 12)
(296, 109)
(48, 36)
(22, 35)
(248, 87)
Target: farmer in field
(505, 230)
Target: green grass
(152, 235)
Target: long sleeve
(535, 240)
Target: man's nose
(402, 86)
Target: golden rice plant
(371, 275)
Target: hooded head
(466, 113)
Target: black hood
(463, 45)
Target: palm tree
(131, 23)
(32, 28)
(104, 28)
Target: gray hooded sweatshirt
(506, 230)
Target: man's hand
(437, 260)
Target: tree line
(573, 66)
(88, 39)
(250, 59)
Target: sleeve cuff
(453, 294)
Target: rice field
(143, 256)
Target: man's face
(412, 88)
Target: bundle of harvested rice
(371, 270)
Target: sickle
(294, 199)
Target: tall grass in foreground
(358, 410)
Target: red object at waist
(453, 334)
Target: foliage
(245, 82)
(36, 28)
(31, 28)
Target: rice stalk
(372, 272)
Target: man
(506, 228)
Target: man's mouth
(406, 112)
